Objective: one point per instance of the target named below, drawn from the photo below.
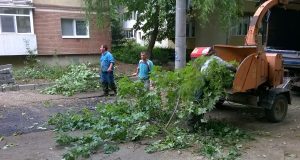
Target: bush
(130, 53)
(163, 55)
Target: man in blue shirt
(107, 67)
(144, 69)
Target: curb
(17, 87)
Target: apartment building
(52, 27)
(138, 35)
(16, 27)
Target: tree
(99, 9)
(228, 11)
(157, 17)
(117, 34)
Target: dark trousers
(107, 80)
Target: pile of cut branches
(162, 112)
(79, 78)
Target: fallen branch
(173, 114)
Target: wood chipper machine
(259, 76)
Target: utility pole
(180, 34)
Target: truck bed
(291, 58)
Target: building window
(13, 20)
(127, 16)
(8, 24)
(23, 24)
(72, 28)
(129, 33)
(190, 29)
(140, 35)
(81, 28)
(241, 28)
(188, 4)
(134, 15)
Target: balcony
(129, 24)
(12, 3)
(17, 44)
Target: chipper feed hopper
(259, 76)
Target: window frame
(30, 15)
(129, 33)
(191, 29)
(74, 29)
(241, 27)
(140, 35)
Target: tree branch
(173, 114)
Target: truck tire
(278, 110)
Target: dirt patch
(273, 141)
(125, 69)
(37, 146)
(25, 97)
(28, 111)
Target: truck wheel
(278, 110)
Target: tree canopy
(156, 18)
(228, 11)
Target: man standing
(143, 70)
(107, 66)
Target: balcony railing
(17, 44)
(15, 2)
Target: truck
(282, 32)
(267, 68)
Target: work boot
(105, 88)
(106, 94)
(115, 92)
(113, 87)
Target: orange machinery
(259, 74)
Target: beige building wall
(66, 3)
(250, 6)
(210, 34)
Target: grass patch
(39, 72)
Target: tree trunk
(152, 40)
(154, 33)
